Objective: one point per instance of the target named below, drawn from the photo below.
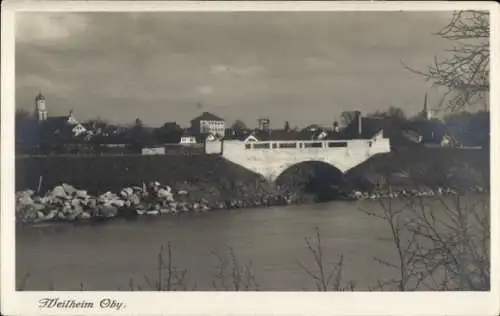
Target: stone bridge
(272, 158)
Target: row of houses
(209, 127)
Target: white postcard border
(282, 303)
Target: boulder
(153, 212)
(39, 206)
(69, 189)
(126, 192)
(40, 215)
(117, 202)
(29, 215)
(24, 200)
(75, 202)
(84, 215)
(82, 194)
(59, 192)
(67, 209)
(134, 199)
(92, 203)
(51, 215)
(164, 194)
(164, 210)
(28, 193)
(107, 210)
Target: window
(275, 145)
(337, 144)
(313, 145)
(261, 146)
(288, 145)
(248, 146)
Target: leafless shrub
(405, 248)
(231, 275)
(442, 242)
(455, 241)
(169, 277)
(324, 280)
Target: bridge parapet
(271, 158)
(296, 144)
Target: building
(153, 151)
(187, 139)
(66, 125)
(208, 123)
(40, 107)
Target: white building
(208, 123)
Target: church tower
(426, 113)
(40, 107)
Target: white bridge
(272, 158)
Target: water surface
(106, 256)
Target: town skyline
(296, 67)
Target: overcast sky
(301, 67)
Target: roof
(282, 135)
(55, 122)
(237, 135)
(313, 127)
(369, 127)
(207, 116)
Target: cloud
(204, 90)
(316, 63)
(236, 71)
(48, 27)
(35, 82)
(158, 65)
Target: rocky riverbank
(68, 204)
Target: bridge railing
(296, 144)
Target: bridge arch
(309, 168)
(319, 178)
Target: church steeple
(426, 113)
(40, 107)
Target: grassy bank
(214, 176)
(211, 174)
(427, 166)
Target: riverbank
(65, 203)
(107, 187)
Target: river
(106, 256)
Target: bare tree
(465, 72)
(231, 275)
(348, 117)
(169, 277)
(442, 242)
(239, 126)
(326, 278)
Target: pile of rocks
(66, 203)
(358, 195)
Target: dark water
(106, 256)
